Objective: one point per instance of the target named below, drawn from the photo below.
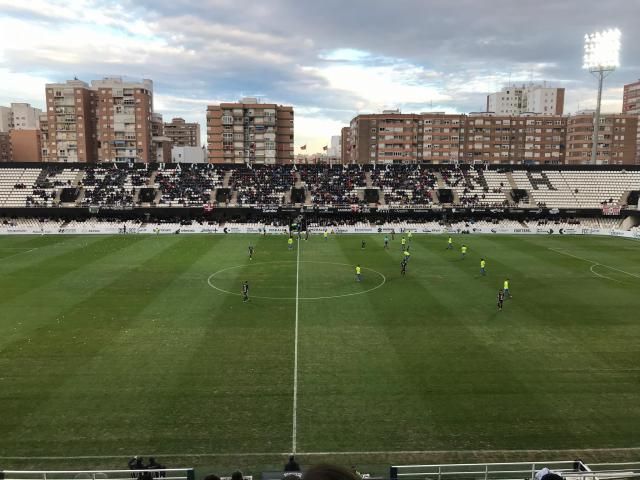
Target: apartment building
(539, 99)
(44, 137)
(631, 106)
(182, 133)
(25, 145)
(157, 125)
(345, 145)
(71, 130)
(19, 116)
(436, 137)
(534, 139)
(617, 139)
(123, 115)
(5, 147)
(250, 132)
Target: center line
(295, 355)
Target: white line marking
(595, 263)
(384, 280)
(374, 452)
(16, 254)
(601, 276)
(295, 356)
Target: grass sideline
(117, 345)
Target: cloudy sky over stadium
(331, 59)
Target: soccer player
(500, 299)
(406, 256)
(449, 243)
(505, 287)
(358, 274)
(290, 243)
(403, 267)
(386, 241)
(326, 234)
(393, 234)
(245, 292)
(306, 234)
(403, 243)
(410, 235)
(463, 250)
(250, 252)
(483, 272)
(363, 244)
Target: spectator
(237, 475)
(292, 465)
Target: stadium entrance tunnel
(277, 280)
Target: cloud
(330, 59)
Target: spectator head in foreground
(237, 475)
(292, 465)
(329, 472)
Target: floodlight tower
(601, 57)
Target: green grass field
(117, 345)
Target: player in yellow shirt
(410, 235)
(326, 234)
(407, 256)
(403, 243)
(463, 250)
(483, 264)
(505, 288)
(290, 243)
(449, 243)
(358, 273)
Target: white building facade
(516, 100)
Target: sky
(330, 59)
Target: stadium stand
(400, 186)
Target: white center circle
(213, 275)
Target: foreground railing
(160, 474)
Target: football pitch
(119, 345)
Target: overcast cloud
(331, 59)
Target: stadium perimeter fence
(159, 474)
(570, 470)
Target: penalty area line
(595, 264)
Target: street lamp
(601, 57)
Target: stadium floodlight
(601, 57)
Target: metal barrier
(160, 474)
(480, 471)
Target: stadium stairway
(226, 179)
(234, 195)
(298, 180)
(78, 200)
(440, 181)
(78, 179)
(308, 199)
(287, 197)
(56, 200)
(152, 179)
(511, 181)
(368, 180)
(156, 201)
(136, 196)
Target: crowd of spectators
(188, 187)
(262, 185)
(333, 185)
(106, 187)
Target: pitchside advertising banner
(236, 228)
